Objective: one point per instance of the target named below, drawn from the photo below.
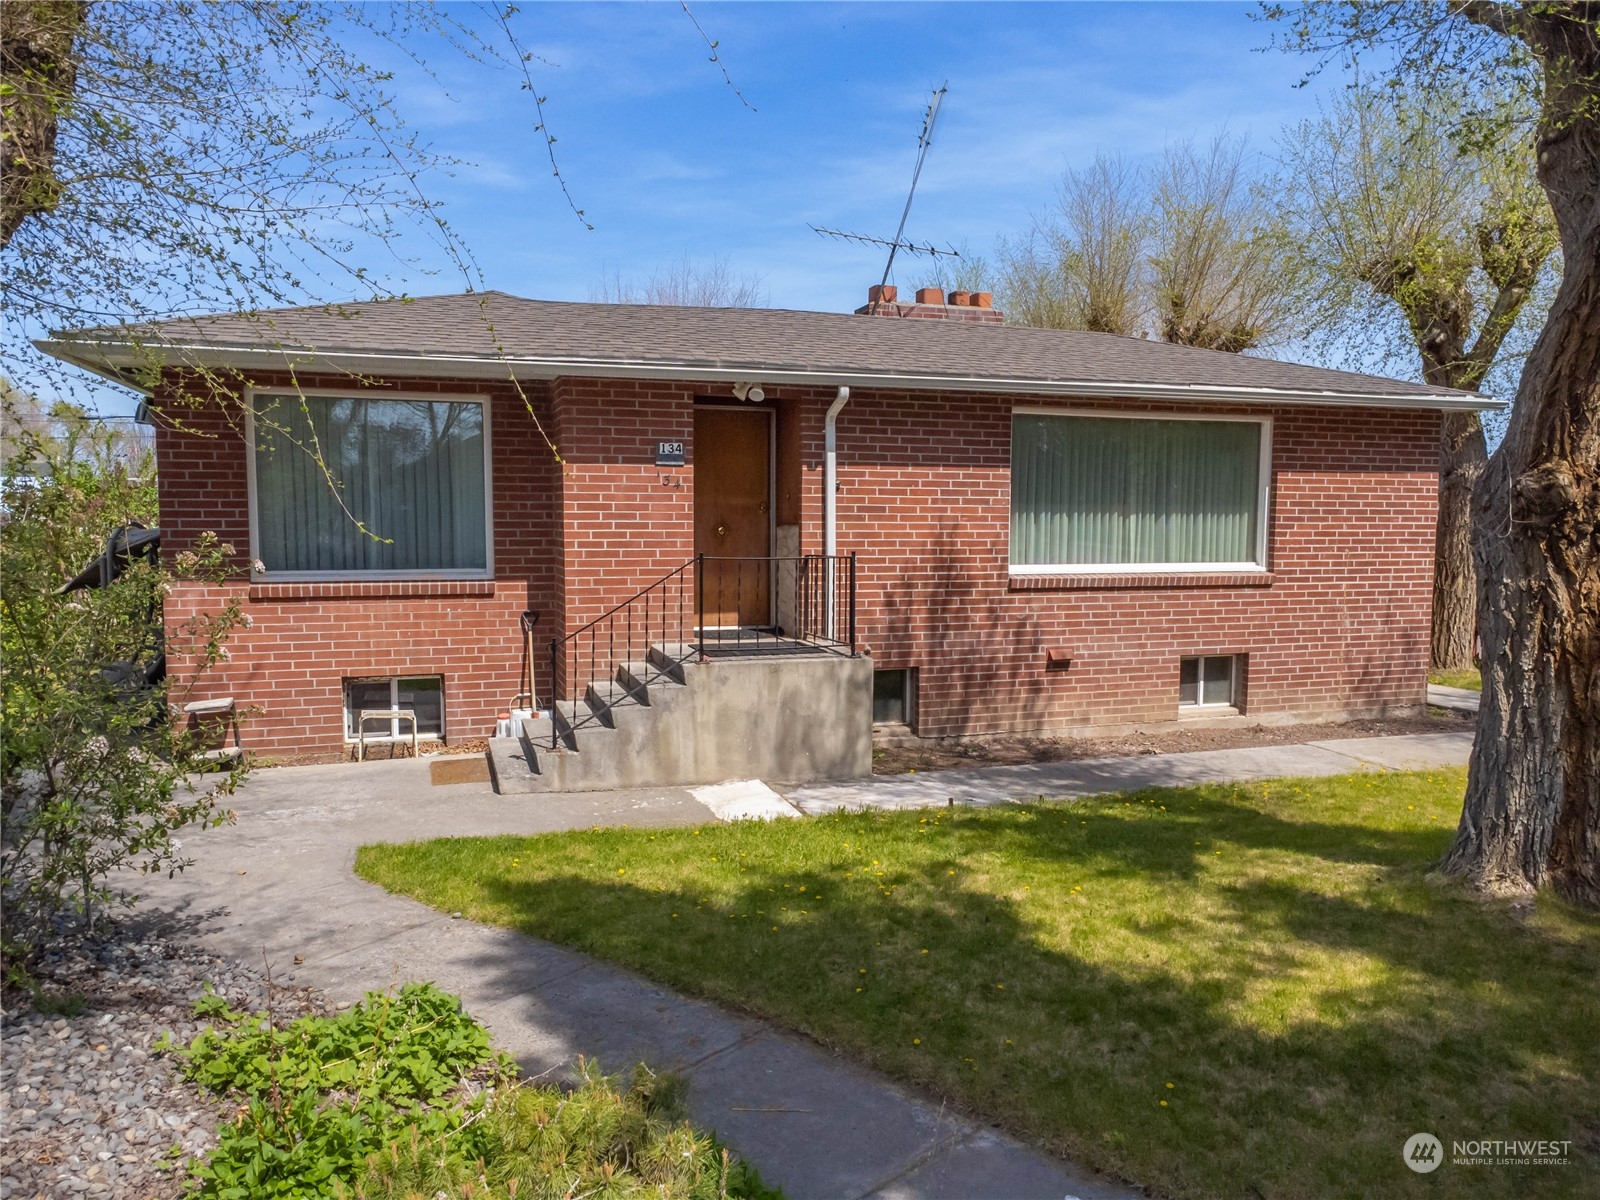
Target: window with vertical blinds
(356, 486)
(1118, 492)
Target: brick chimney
(975, 308)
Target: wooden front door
(733, 513)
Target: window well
(421, 694)
(1208, 681)
(891, 697)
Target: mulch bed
(1016, 751)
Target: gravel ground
(87, 1107)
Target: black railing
(585, 665)
(711, 606)
(777, 605)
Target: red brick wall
(287, 668)
(1340, 626)
(626, 522)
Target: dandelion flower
(1163, 1104)
(1170, 1085)
(916, 1041)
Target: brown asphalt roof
(759, 342)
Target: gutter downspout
(830, 474)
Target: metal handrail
(646, 621)
(823, 612)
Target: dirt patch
(443, 771)
(1015, 751)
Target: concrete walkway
(1459, 699)
(1087, 777)
(277, 887)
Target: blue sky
(669, 164)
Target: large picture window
(1119, 493)
(347, 485)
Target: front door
(733, 514)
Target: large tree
(1531, 816)
(195, 155)
(1186, 250)
(1401, 205)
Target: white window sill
(1141, 569)
(1200, 712)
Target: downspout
(830, 474)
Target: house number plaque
(669, 454)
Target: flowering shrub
(96, 781)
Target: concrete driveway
(279, 884)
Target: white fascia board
(104, 357)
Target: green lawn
(1220, 991)
(1470, 679)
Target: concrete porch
(741, 704)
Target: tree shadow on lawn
(1313, 1010)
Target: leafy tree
(1397, 206)
(207, 156)
(95, 780)
(1531, 816)
(1187, 250)
(1082, 267)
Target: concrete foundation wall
(781, 719)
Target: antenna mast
(924, 140)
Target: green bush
(97, 778)
(404, 1096)
(599, 1141)
(323, 1093)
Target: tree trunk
(36, 38)
(1463, 455)
(1531, 816)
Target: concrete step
(649, 674)
(673, 720)
(514, 767)
(670, 658)
(606, 696)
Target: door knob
(722, 530)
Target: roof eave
(111, 360)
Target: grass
(1470, 678)
(1249, 990)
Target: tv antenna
(897, 243)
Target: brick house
(1030, 530)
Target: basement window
(891, 697)
(421, 694)
(1209, 682)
